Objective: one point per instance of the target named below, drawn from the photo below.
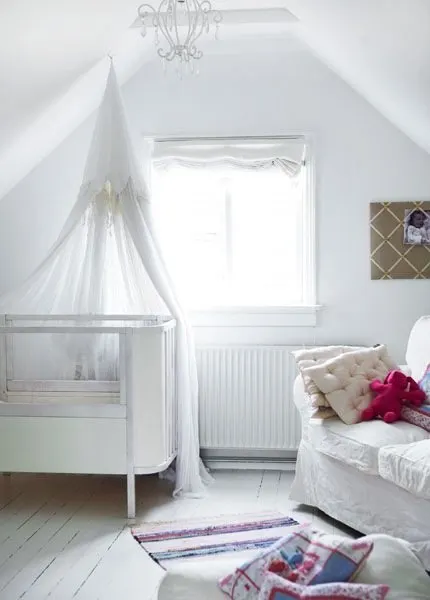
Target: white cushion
(391, 562)
(408, 466)
(198, 579)
(418, 351)
(345, 380)
(309, 357)
(358, 445)
(302, 400)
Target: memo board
(399, 251)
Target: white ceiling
(52, 68)
(45, 45)
(381, 48)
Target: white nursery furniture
(372, 476)
(124, 427)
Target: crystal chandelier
(181, 23)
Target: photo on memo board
(416, 227)
(400, 240)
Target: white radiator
(246, 398)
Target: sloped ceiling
(53, 67)
(381, 48)
(45, 46)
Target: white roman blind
(256, 153)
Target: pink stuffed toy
(396, 389)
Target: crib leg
(131, 498)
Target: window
(235, 232)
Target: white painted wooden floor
(66, 537)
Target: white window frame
(273, 316)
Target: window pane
(265, 239)
(231, 236)
(191, 216)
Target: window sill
(289, 316)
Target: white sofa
(372, 476)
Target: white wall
(32, 214)
(361, 157)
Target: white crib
(125, 427)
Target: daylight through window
(233, 235)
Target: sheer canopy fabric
(107, 260)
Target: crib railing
(147, 378)
(23, 372)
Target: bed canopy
(107, 260)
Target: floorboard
(64, 537)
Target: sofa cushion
(391, 562)
(359, 445)
(345, 380)
(278, 588)
(309, 357)
(408, 466)
(308, 555)
(307, 411)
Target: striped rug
(191, 538)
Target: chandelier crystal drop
(178, 25)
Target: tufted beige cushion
(345, 379)
(311, 357)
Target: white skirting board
(246, 401)
(250, 465)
